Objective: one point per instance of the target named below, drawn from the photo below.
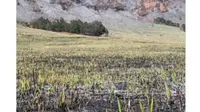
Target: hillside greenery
(160, 20)
(95, 28)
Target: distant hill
(113, 14)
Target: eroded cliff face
(113, 13)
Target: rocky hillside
(112, 13)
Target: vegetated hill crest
(112, 13)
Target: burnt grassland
(62, 72)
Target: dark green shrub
(23, 23)
(183, 27)
(159, 20)
(76, 26)
(41, 23)
(59, 25)
(98, 28)
(177, 25)
(119, 8)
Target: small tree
(183, 27)
(159, 20)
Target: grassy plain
(146, 61)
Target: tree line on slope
(95, 28)
(160, 20)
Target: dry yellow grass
(118, 44)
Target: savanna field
(130, 71)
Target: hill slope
(115, 14)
